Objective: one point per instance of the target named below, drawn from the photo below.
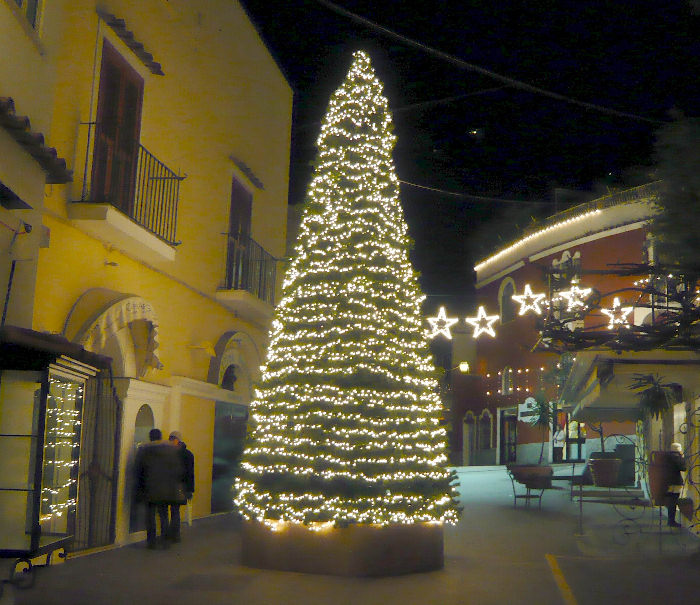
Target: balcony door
(238, 253)
(117, 131)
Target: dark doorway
(509, 436)
(230, 425)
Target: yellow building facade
(157, 206)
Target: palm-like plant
(542, 416)
(655, 396)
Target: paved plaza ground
(497, 554)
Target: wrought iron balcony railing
(139, 185)
(250, 267)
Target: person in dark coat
(676, 464)
(187, 480)
(159, 482)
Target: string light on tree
(576, 297)
(482, 323)
(618, 314)
(347, 415)
(441, 324)
(528, 301)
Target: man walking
(159, 471)
(188, 481)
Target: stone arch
(236, 366)
(121, 326)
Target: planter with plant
(655, 398)
(605, 466)
(536, 475)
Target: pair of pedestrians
(164, 481)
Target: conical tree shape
(346, 420)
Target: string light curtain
(345, 423)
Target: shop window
(40, 419)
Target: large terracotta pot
(605, 471)
(659, 477)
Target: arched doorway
(125, 328)
(145, 421)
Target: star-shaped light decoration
(618, 314)
(528, 301)
(441, 324)
(576, 297)
(483, 324)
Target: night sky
(467, 133)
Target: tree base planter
(358, 550)
(605, 471)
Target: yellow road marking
(559, 578)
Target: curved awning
(598, 388)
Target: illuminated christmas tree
(346, 419)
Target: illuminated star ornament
(618, 314)
(576, 297)
(441, 324)
(483, 324)
(528, 301)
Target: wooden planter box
(358, 550)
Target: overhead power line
(424, 104)
(482, 70)
(445, 100)
(468, 196)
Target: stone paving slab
(496, 554)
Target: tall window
(117, 131)
(485, 424)
(238, 236)
(30, 8)
(506, 302)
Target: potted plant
(605, 466)
(536, 475)
(655, 398)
